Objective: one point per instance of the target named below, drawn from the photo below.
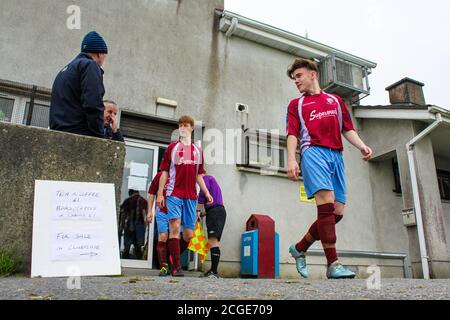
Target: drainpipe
(415, 189)
(233, 27)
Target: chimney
(406, 91)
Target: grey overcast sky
(406, 38)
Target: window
(40, 117)
(15, 103)
(6, 109)
(397, 182)
(265, 151)
(444, 184)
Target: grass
(9, 264)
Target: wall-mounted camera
(242, 108)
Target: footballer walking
(182, 168)
(319, 120)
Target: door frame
(144, 264)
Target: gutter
(231, 22)
(416, 197)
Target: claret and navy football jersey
(154, 189)
(183, 163)
(319, 120)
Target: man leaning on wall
(77, 94)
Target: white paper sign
(77, 244)
(74, 227)
(136, 183)
(139, 169)
(83, 204)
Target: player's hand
(293, 170)
(366, 152)
(160, 201)
(149, 218)
(209, 199)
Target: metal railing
(376, 255)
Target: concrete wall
(431, 206)
(444, 164)
(173, 49)
(391, 233)
(388, 138)
(30, 154)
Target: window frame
(253, 138)
(443, 174)
(397, 179)
(20, 106)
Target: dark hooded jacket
(77, 98)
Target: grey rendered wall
(384, 137)
(30, 154)
(444, 164)
(156, 48)
(255, 75)
(172, 49)
(391, 233)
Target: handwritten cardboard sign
(77, 244)
(77, 204)
(74, 227)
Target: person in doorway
(133, 213)
(319, 120)
(215, 222)
(162, 223)
(182, 168)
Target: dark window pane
(397, 183)
(40, 116)
(444, 184)
(6, 109)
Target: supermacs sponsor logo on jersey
(320, 115)
(183, 156)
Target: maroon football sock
(326, 227)
(174, 250)
(161, 249)
(331, 255)
(314, 232)
(304, 244)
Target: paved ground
(190, 288)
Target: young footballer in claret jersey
(182, 168)
(162, 224)
(318, 120)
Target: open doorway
(135, 235)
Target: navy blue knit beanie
(93, 43)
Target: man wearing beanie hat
(77, 94)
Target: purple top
(214, 190)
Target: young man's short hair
(186, 120)
(302, 63)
